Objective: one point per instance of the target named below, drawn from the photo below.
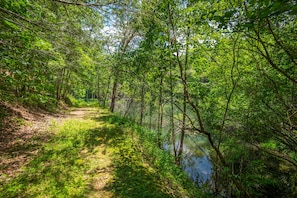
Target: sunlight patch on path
(103, 174)
(98, 158)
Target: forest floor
(87, 152)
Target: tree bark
(142, 104)
(128, 107)
(122, 50)
(184, 76)
(160, 111)
(113, 97)
(172, 127)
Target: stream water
(199, 168)
(196, 162)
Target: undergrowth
(81, 102)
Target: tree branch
(84, 4)
(17, 16)
(276, 154)
(267, 56)
(279, 42)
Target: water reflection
(195, 162)
(198, 168)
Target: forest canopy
(226, 70)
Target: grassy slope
(100, 156)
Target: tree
(44, 49)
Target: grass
(59, 169)
(82, 102)
(104, 156)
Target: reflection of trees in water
(198, 168)
(195, 162)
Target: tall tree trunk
(125, 42)
(160, 111)
(184, 76)
(183, 131)
(151, 114)
(106, 91)
(142, 103)
(114, 93)
(172, 127)
(66, 88)
(59, 84)
(98, 90)
(128, 107)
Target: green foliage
(271, 144)
(44, 63)
(81, 102)
(236, 60)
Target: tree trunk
(98, 90)
(123, 48)
(172, 127)
(106, 92)
(142, 104)
(114, 93)
(184, 77)
(183, 131)
(151, 116)
(160, 111)
(128, 106)
(66, 88)
(59, 84)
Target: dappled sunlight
(93, 155)
(66, 164)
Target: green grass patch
(60, 169)
(83, 150)
(82, 102)
(142, 169)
